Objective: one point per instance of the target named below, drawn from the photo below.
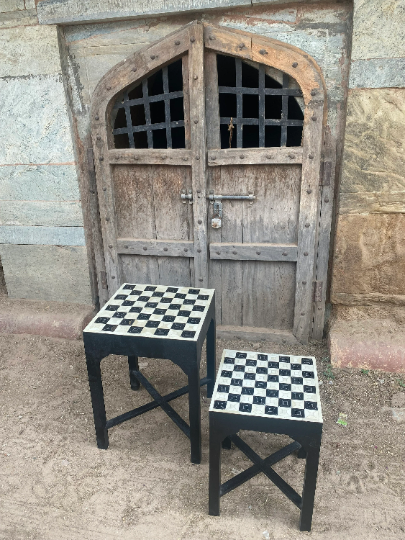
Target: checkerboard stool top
(154, 311)
(267, 385)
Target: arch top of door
(287, 58)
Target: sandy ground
(56, 485)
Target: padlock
(216, 222)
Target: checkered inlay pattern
(154, 311)
(268, 385)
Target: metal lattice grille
(151, 114)
(250, 100)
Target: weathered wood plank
(212, 101)
(228, 41)
(214, 236)
(256, 334)
(131, 156)
(186, 101)
(148, 247)
(198, 144)
(254, 252)
(255, 156)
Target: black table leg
(308, 493)
(195, 411)
(211, 357)
(215, 470)
(133, 367)
(97, 400)
(227, 443)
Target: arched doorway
(207, 150)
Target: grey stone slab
(70, 11)
(34, 121)
(378, 29)
(39, 183)
(378, 73)
(48, 236)
(44, 213)
(11, 5)
(29, 50)
(27, 17)
(58, 273)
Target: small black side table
(274, 394)
(154, 321)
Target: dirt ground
(56, 485)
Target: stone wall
(42, 242)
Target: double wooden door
(207, 150)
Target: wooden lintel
(254, 252)
(150, 157)
(255, 156)
(165, 248)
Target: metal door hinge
(318, 289)
(326, 173)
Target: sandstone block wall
(42, 244)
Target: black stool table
(274, 394)
(154, 321)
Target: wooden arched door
(207, 150)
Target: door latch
(216, 201)
(186, 196)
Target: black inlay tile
(172, 289)
(129, 287)
(284, 359)
(193, 291)
(307, 361)
(220, 405)
(112, 307)
(262, 357)
(109, 328)
(135, 330)
(239, 368)
(272, 393)
(127, 322)
(228, 360)
(297, 380)
(189, 302)
(198, 308)
(159, 311)
(144, 299)
(183, 313)
(311, 405)
(178, 326)
(249, 376)
(152, 324)
(161, 332)
(284, 402)
(169, 318)
(284, 372)
(251, 363)
(309, 389)
(297, 413)
(157, 294)
(234, 397)
(225, 373)
(297, 395)
(187, 334)
(259, 400)
(308, 374)
(102, 320)
(166, 300)
(273, 365)
(151, 304)
(119, 314)
(174, 306)
(236, 382)
(272, 378)
(261, 370)
(285, 387)
(150, 288)
(260, 384)
(121, 297)
(247, 391)
(136, 293)
(245, 407)
(296, 366)
(223, 388)
(128, 303)
(241, 355)
(271, 410)
(202, 297)
(144, 317)
(194, 320)
(135, 310)
(180, 295)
